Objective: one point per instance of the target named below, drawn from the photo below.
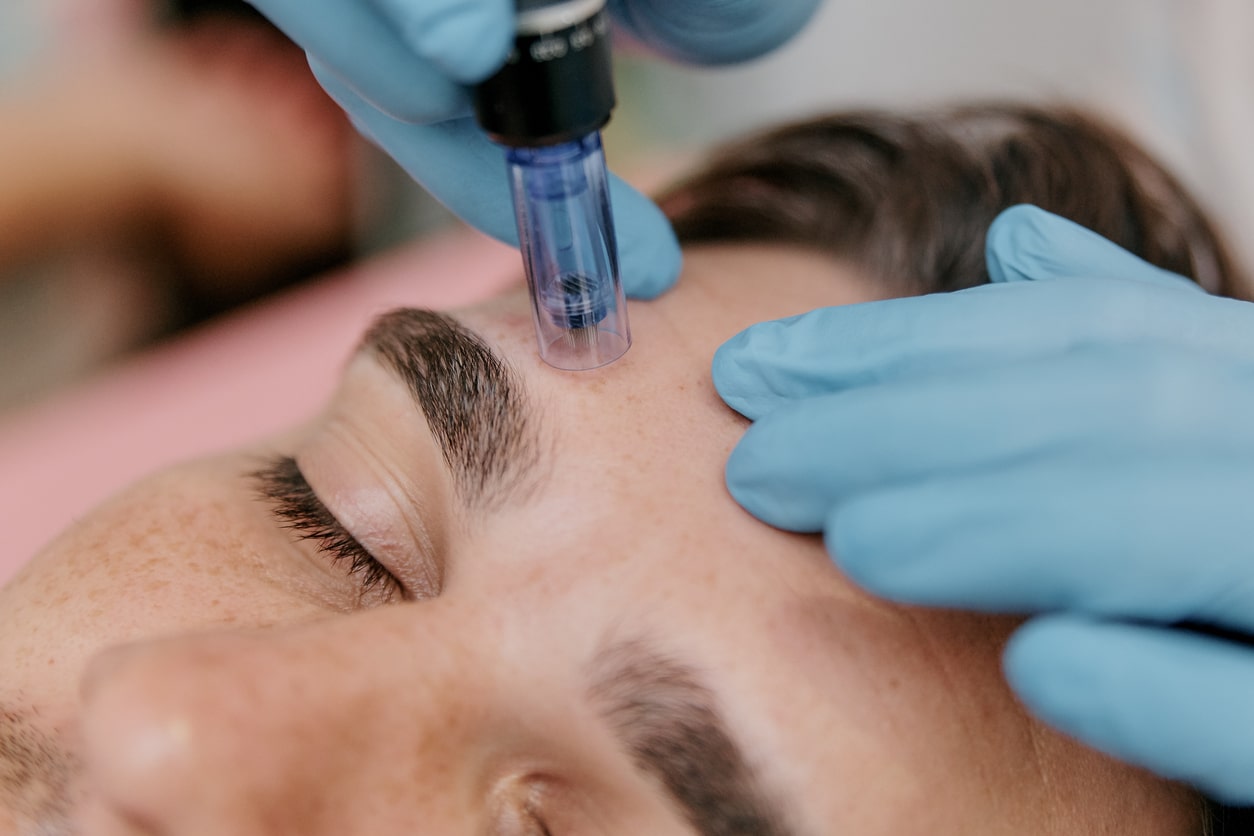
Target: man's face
(525, 605)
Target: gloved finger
(353, 42)
(856, 345)
(1026, 243)
(803, 458)
(1174, 702)
(795, 463)
(831, 349)
(1000, 325)
(466, 39)
(1075, 535)
(466, 172)
(713, 31)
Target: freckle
(595, 386)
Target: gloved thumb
(1026, 243)
(466, 172)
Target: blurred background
(1179, 74)
(165, 161)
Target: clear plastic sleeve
(566, 233)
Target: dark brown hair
(909, 198)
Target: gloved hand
(1074, 441)
(400, 68)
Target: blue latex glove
(1076, 441)
(401, 69)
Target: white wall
(1176, 72)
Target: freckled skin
(176, 664)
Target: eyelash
(297, 508)
(541, 827)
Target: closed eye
(297, 508)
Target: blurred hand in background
(161, 165)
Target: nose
(337, 727)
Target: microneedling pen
(547, 106)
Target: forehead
(633, 532)
(659, 398)
(633, 504)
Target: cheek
(165, 558)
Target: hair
(184, 11)
(909, 199)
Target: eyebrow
(671, 726)
(474, 403)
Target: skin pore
(574, 630)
